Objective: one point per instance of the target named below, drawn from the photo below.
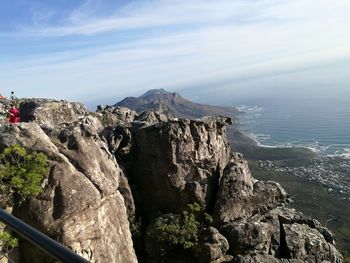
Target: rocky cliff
(116, 164)
(80, 206)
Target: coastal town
(332, 172)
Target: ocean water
(320, 122)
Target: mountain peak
(154, 92)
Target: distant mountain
(172, 104)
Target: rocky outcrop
(241, 197)
(175, 162)
(179, 162)
(117, 164)
(281, 235)
(116, 116)
(80, 206)
(151, 117)
(212, 246)
(51, 112)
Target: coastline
(254, 150)
(248, 116)
(320, 151)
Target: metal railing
(40, 240)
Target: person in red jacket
(13, 115)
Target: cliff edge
(116, 165)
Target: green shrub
(7, 242)
(23, 172)
(135, 227)
(208, 219)
(179, 230)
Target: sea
(321, 123)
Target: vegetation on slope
(21, 175)
(178, 231)
(21, 172)
(7, 242)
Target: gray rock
(151, 117)
(261, 237)
(212, 246)
(309, 245)
(179, 162)
(119, 140)
(80, 205)
(258, 234)
(125, 190)
(116, 116)
(240, 197)
(51, 112)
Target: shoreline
(330, 148)
(319, 152)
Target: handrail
(40, 240)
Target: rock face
(120, 116)
(51, 112)
(280, 235)
(80, 205)
(179, 162)
(212, 246)
(176, 162)
(241, 197)
(117, 164)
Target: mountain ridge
(172, 103)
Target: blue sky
(105, 50)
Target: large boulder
(179, 162)
(119, 140)
(308, 244)
(240, 196)
(151, 117)
(280, 235)
(116, 116)
(80, 205)
(212, 246)
(51, 112)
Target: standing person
(13, 115)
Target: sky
(104, 50)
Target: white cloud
(217, 41)
(143, 15)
